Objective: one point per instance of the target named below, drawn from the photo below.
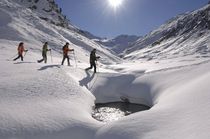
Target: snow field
(42, 101)
(180, 100)
(49, 101)
(52, 101)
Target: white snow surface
(50, 101)
(184, 35)
(119, 43)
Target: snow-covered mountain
(89, 35)
(119, 43)
(47, 10)
(50, 101)
(37, 21)
(185, 34)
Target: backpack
(64, 47)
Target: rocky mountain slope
(185, 34)
(37, 21)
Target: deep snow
(50, 101)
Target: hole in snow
(107, 112)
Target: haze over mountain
(119, 43)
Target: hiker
(93, 59)
(44, 53)
(65, 53)
(20, 49)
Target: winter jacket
(44, 49)
(66, 50)
(93, 57)
(21, 49)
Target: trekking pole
(51, 56)
(97, 66)
(25, 53)
(94, 82)
(13, 56)
(75, 59)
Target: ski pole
(98, 66)
(25, 53)
(13, 56)
(94, 82)
(51, 56)
(75, 59)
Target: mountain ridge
(21, 23)
(119, 43)
(175, 34)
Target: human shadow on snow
(87, 79)
(23, 62)
(49, 66)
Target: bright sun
(115, 3)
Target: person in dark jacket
(44, 53)
(93, 59)
(65, 53)
(20, 49)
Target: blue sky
(133, 17)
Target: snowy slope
(41, 101)
(180, 102)
(50, 101)
(119, 43)
(47, 10)
(20, 23)
(186, 34)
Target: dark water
(113, 111)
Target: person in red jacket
(20, 49)
(65, 53)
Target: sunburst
(115, 3)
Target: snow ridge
(50, 101)
(21, 23)
(119, 43)
(175, 38)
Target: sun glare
(115, 3)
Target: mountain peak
(119, 43)
(178, 36)
(48, 10)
